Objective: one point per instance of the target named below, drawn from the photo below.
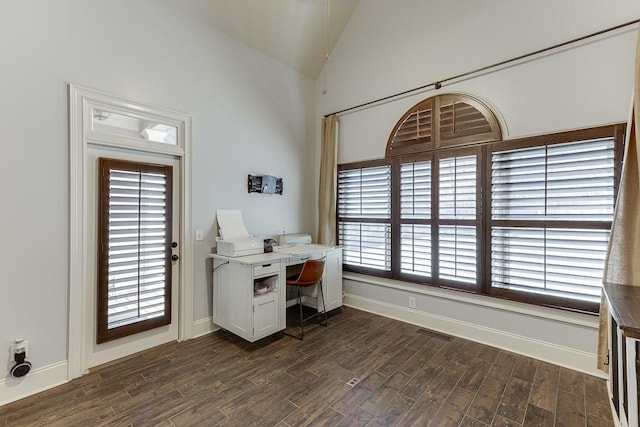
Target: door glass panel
(134, 280)
(144, 129)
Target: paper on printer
(234, 238)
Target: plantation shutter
(135, 237)
(443, 121)
(457, 232)
(364, 215)
(551, 212)
(415, 216)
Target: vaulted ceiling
(298, 33)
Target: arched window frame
(437, 149)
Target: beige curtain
(328, 182)
(622, 265)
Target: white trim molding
(12, 389)
(203, 327)
(385, 299)
(81, 100)
(549, 352)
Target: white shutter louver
(457, 253)
(415, 204)
(570, 184)
(458, 187)
(136, 247)
(364, 215)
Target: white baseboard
(549, 352)
(12, 389)
(203, 327)
(41, 379)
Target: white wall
(389, 47)
(251, 115)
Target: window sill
(579, 319)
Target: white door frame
(80, 126)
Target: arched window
(442, 121)
(454, 205)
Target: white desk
(252, 316)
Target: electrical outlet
(412, 302)
(19, 346)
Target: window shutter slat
(365, 194)
(570, 182)
(551, 183)
(458, 187)
(137, 253)
(457, 254)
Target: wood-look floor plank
(313, 409)
(525, 368)
(596, 398)
(501, 421)
(421, 380)
(513, 405)
(593, 421)
(358, 417)
(453, 410)
(407, 377)
(538, 417)
(572, 382)
(570, 410)
(393, 363)
(475, 375)
(434, 397)
(544, 390)
(359, 393)
(468, 353)
(470, 422)
(502, 366)
(387, 394)
(419, 359)
(488, 397)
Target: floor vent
(352, 382)
(434, 334)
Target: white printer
(235, 240)
(240, 247)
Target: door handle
(174, 257)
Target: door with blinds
(134, 248)
(133, 252)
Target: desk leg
(632, 382)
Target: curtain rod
(438, 84)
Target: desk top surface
(624, 306)
(279, 253)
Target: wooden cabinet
(248, 295)
(249, 292)
(624, 347)
(332, 279)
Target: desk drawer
(267, 268)
(301, 258)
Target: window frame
(483, 209)
(368, 220)
(615, 131)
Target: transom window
(454, 206)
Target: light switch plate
(199, 234)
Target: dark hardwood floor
(405, 376)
